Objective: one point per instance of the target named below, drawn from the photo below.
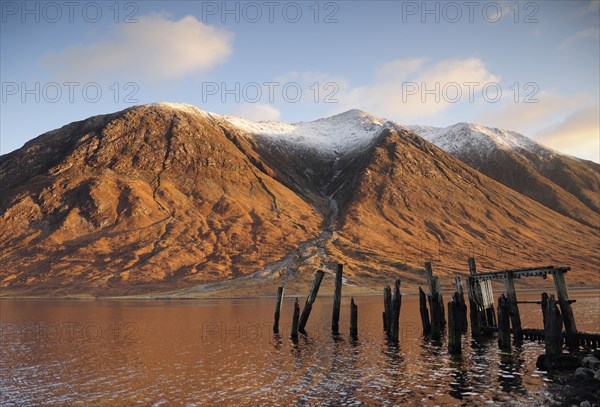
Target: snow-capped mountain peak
(339, 133)
(462, 138)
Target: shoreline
(175, 296)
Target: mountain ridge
(167, 197)
(566, 184)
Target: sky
(527, 66)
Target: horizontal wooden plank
(517, 273)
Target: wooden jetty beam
(312, 296)
(538, 301)
(425, 321)
(566, 311)
(337, 299)
(295, 319)
(586, 339)
(503, 323)
(513, 309)
(522, 272)
(278, 309)
(353, 319)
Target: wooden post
(396, 304)
(309, 301)
(442, 309)
(481, 294)
(454, 326)
(353, 319)
(387, 313)
(436, 304)
(487, 295)
(278, 309)
(544, 308)
(566, 311)
(473, 308)
(503, 323)
(424, 313)
(472, 266)
(461, 304)
(295, 319)
(337, 299)
(513, 309)
(553, 328)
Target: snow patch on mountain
(462, 138)
(183, 107)
(336, 134)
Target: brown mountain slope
(414, 202)
(565, 184)
(151, 198)
(165, 197)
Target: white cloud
(400, 89)
(258, 112)
(154, 49)
(592, 8)
(591, 32)
(526, 117)
(578, 134)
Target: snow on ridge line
(462, 137)
(355, 128)
(184, 107)
(339, 133)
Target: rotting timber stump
(391, 313)
(425, 321)
(436, 303)
(337, 299)
(513, 309)
(454, 325)
(278, 309)
(353, 319)
(503, 323)
(312, 296)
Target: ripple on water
(174, 359)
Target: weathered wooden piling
(513, 309)
(278, 309)
(461, 304)
(566, 311)
(312, 296)
(424, 313)
(337, 299)
(295, 320)
(391, 311)
(396, 304)
(481, 302)
(436, 304)
(353, 319)
(454, 325)
(387, 310)
(544, 308)
(553, 327)
(503, 323)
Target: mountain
(146, 199)
(565, 184)
(169, 198)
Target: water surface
(207, 352)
